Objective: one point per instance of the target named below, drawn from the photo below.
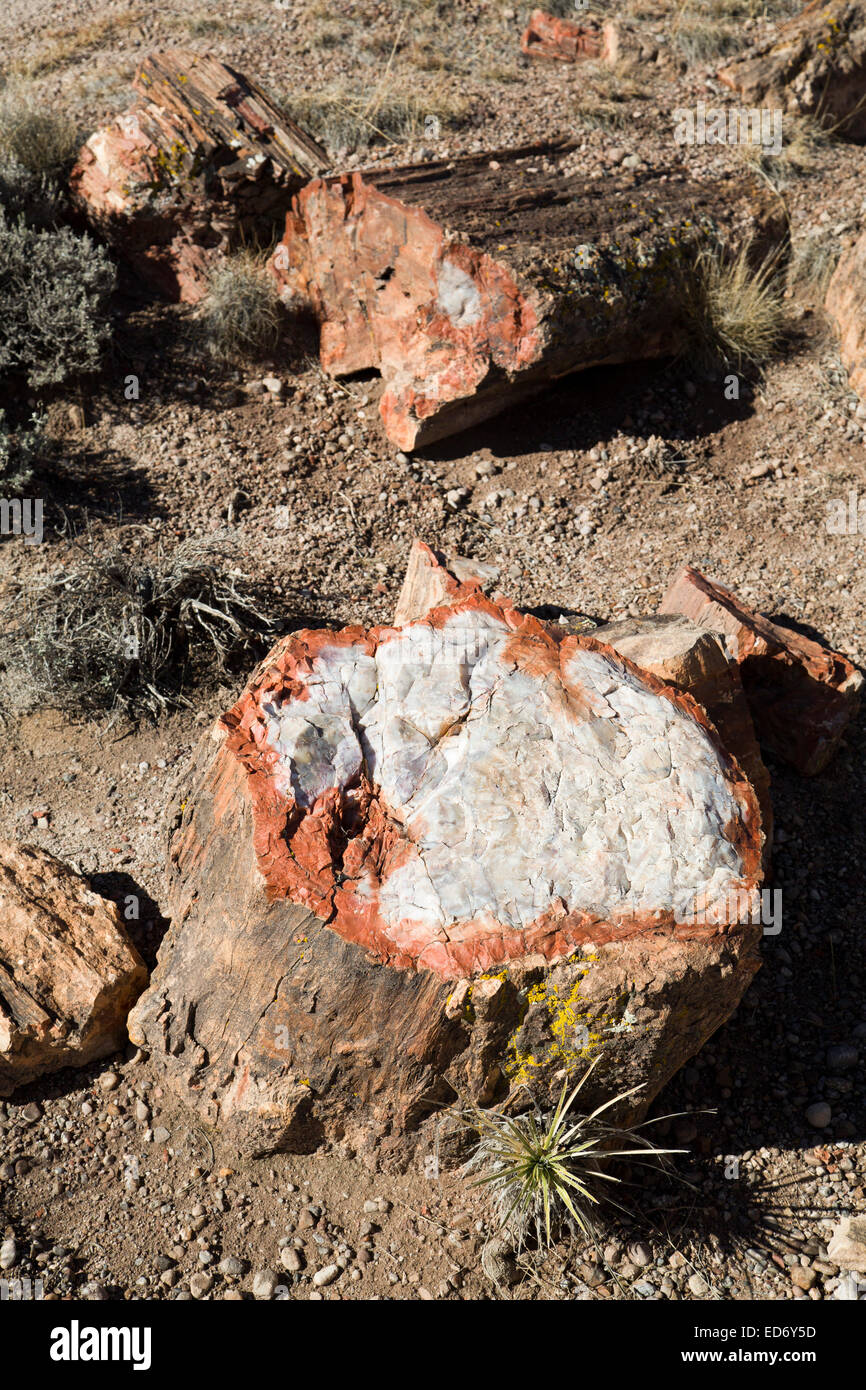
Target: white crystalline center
(513, 801)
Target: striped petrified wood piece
(202, 162)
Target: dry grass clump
(347, 118)
(735, 310)
(544, 1169)
(39, 139)
(241, 315)
(606, 94)
(814, 257)
(67, 43)
(109, 630)
(804, 140)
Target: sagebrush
(54, 293)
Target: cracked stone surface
(468, 784)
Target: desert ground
(587, 498)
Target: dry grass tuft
(39, 139)
(109, 631)
(241, 315)
(735, 311)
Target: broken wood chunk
(546, 36)
(592, 39)
(69, 973)
(452, 859)
(802, 695)
(473, 283)
(432, 581)
(814, 65)
(846, 305)
(201, 163)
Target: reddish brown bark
(471, 284)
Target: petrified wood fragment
(813, 65)
(68, 972)
(802, 695)
(455, 858)
(470, 284)
(202, 162)
(846, 305)
(565, 41)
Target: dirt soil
(588, 498)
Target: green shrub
(20, 451)
(54, 289)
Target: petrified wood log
(456, 858)
(846, 305)
(471, 284)
(203, 161)
(68, 972)
(802, 695)
(814, 65)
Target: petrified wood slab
(846, 305)
(202, 162)
(69, 973)
(453, 859)
(802, 695)
(814, 65)
(470, 284)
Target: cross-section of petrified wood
(814, 65)
(802, 695)
(846, 305)
(68, 972)
(202, 161)
(455, 858)
(471, 284)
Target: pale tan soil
(329, 526)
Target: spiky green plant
(542, 1169)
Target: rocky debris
(813, 65)
(201, 163)
(802, 695)
(696, 661)
(563, 40)
(847, 1246)
(69, 973)
(471, 283)
(846, 305)
(361, 928)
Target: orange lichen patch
(359, 856)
